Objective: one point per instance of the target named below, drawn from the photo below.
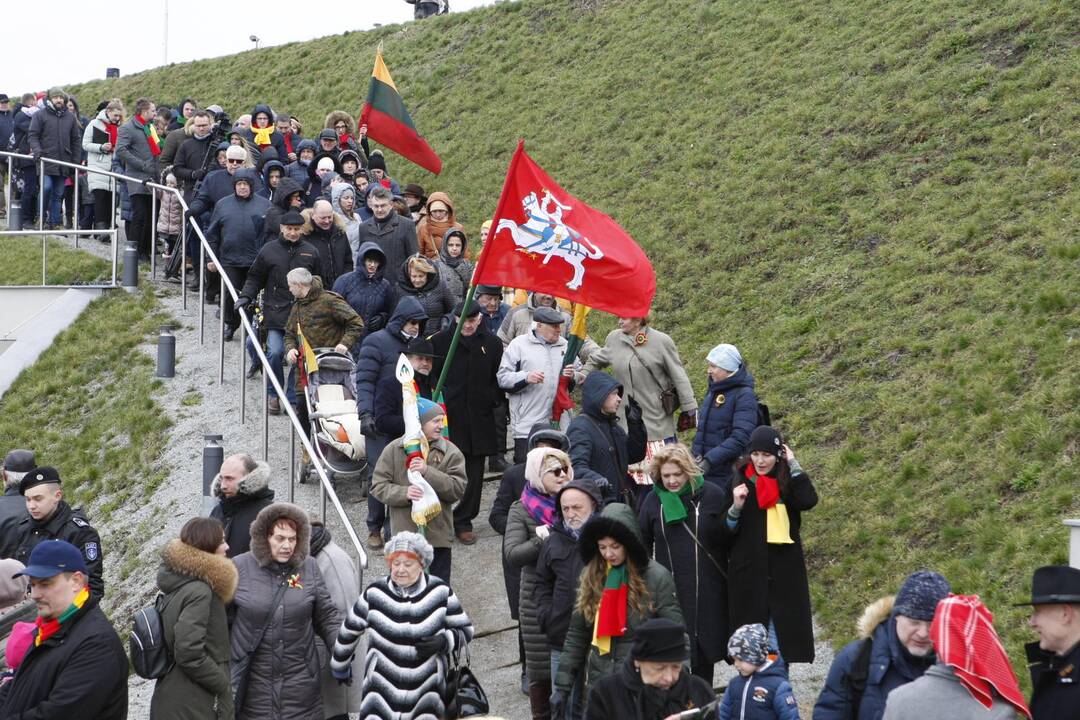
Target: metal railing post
(41, 195)
(153, 234)
(221, 329)
(113, 229)
(8, 179)
(75, 210)
(183, 268)
(243, 372)
(292, 464)
(266, 419)
(202, 300)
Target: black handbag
(240, 670)
(464, 696)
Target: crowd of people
(632, 562)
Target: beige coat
(445, 474)
(658, 355)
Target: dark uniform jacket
(1055, 682)
(80, 672)
(268, 273)
(72, 526)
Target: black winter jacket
(335, 255)
(379, 352)
(191, 160)
(12, 512)
(434, 296)
(79, 672)
(510, 487)
(56, 134)
(471, 390)
(599, 448)
(235, 232)
(389, 413)
(558, 568)
(279, 205)
(396, 236)
(622, 696)
(68, 524)
(216, 185)
(268, 273)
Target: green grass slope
(876, 201)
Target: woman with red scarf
(766, 569)
(99, 142)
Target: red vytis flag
(546, 240)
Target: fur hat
(750, 643)
(410, 543)
(264, 522)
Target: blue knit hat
(428, 410)
(919, 595)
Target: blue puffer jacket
(379, 353)
(890, 667)
(369, 296)
(235, 232)
(765, 695)
(727, 416)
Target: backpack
(763, 416)
(856, 676)
(149, 655)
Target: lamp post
(255, 39)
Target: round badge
(720, 399)
(640, 339)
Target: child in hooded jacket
(761, 690)
(170, 215)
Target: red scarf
(965, 640)
(767, 489)
(112, 129)
(343, 141)
(288, 142)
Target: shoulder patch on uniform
(79, 521)
(90, 550)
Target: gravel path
(198, 406)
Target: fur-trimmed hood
(875, 613)
(309, 227)
(181, 561)
(336, 115)
(254, 482)
(264, 521)
(616, 521)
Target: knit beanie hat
(54, 91)
(412, 544)
(236, 152)
(750, 643)
(725, 356)
(920, 594)
(377, 162)
(428, 410)
(765, 439)
(326, 163)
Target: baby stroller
(335, 426)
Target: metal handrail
(326, 488)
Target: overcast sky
(61, 42)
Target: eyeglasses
(231, 161)
(341, 126)
(440, 212)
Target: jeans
(575, 702)
(53, 188)
(275, 354)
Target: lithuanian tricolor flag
(307, 364)
(611, 613)
(577, 335)
(388, 120)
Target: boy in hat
(769, 695)
(1054, 660)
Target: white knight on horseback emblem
(545, 233)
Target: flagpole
(476, 271)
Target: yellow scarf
(262, 135)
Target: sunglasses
(234, 162)
(559, 471)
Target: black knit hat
(377, 162)
(919, 595)
(660, 640)
(765, 439)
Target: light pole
(255, 39)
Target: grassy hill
(878, 202)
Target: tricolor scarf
(777, 523)
(262, 135)
(540, 507)
(671, 503)
(611, 612)
(48, 628)
(965, 640)
(151, 134)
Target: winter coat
(396, 683)
(133, 152)
(197, 587)
(192, 158)
(216, 186)
(599, 448)
(436, 299)
(267, 191)
(338, 571)
(623, 696)
(284, 675)
(279, 205)
(521, 547)
(768, 581)
(57, 135)
(335, 255)
(389, 404)
(510, 487)
(396, 236)
(325, 319)
(298, 170)
(938, 693)
(80, 672)
(618, 522)
(235, 232)
(764, 695)
(369, 296)
(379, 352)
(699, 578)
(471, 391)
(455, 273)
(1055, 682)
(351, 221)
(7, 128)
(12, 512)
(530, 404)
(276, 140)
(20, 134)
(236, 513)
(519, 321)
(94, 136)
(69, 524)
(429, 237)
(445, 474)
(173, 139)
(890, 667)
(268, 273)
(645, 371)
(495, 320)
(170, 214)
(727, 416)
